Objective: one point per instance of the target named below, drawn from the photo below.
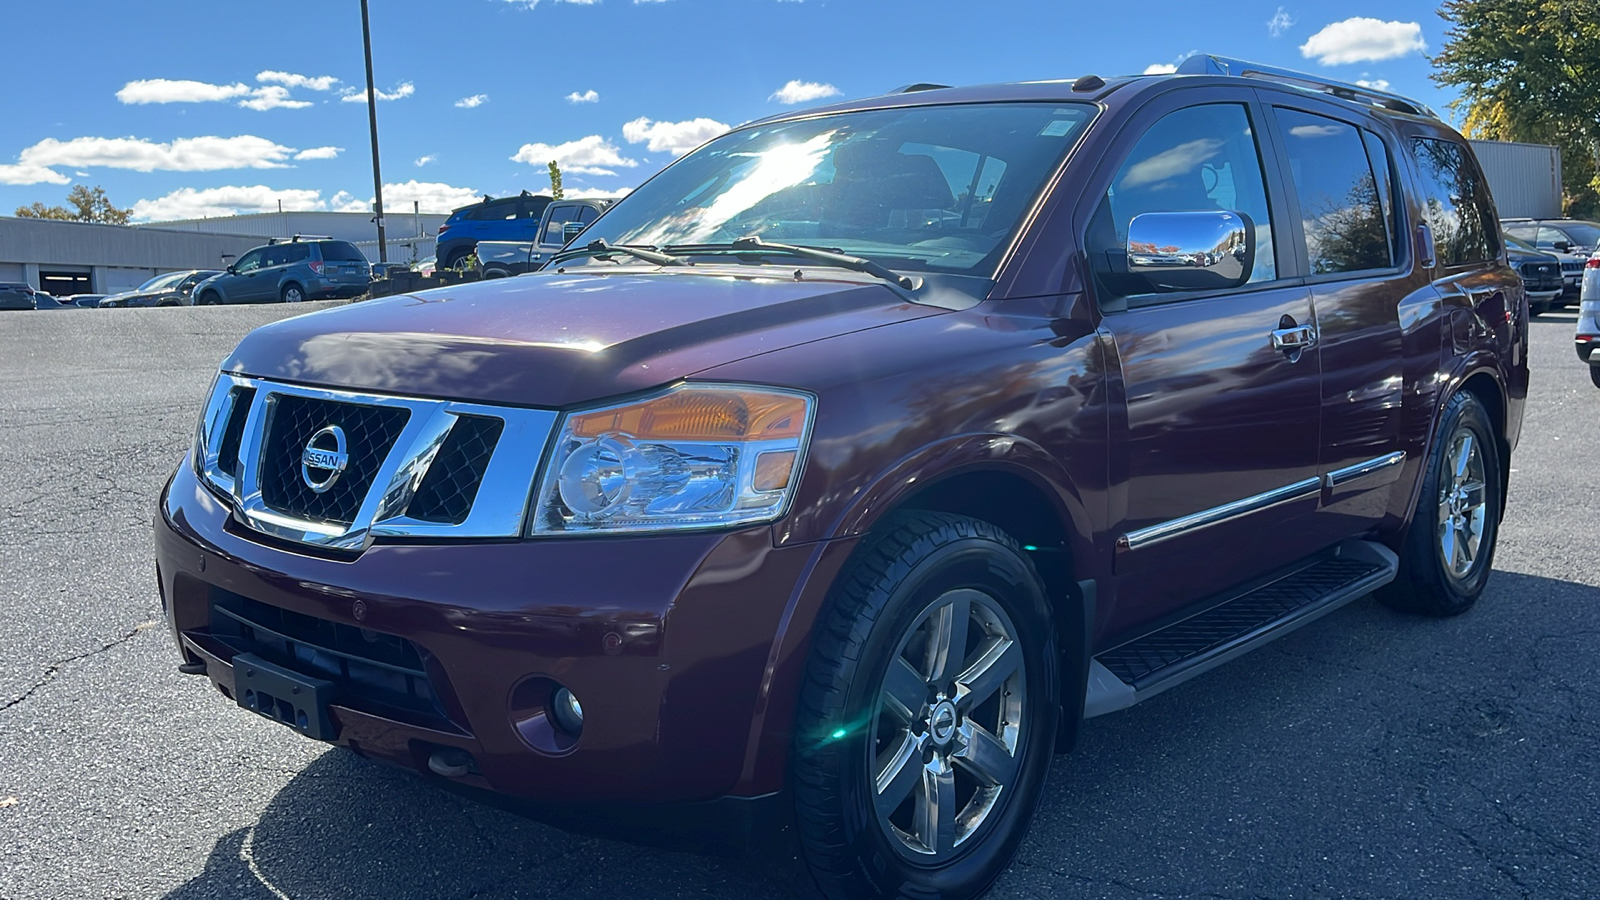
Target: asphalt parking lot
(1369, 755)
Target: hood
(1518, 256)
(553, 340)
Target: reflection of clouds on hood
(403, 361)
(776, 168)
(1180, 160)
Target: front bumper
(666, 640)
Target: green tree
(1529, 70)
(88, 206)
(555, 181)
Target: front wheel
(1449, 549)
(928, 717)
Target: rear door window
(1341, 203)
(1455, 203)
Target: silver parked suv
(299, 269)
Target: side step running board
(1146, 666)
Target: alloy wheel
(949, 726)
(1463, 504)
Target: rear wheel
(1594, 375)
(928, 715)
(453, 261)
(1449, 550)
(293, 293)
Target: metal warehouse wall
(115, 257)
(1524, 178)
(407, 233)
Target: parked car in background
(302, 268)
(1540, 273)
(562, 221)
(1588, 334)
(425, 266)
(42, 300)
(1571, 240)
(810, 484)
(492, 219)
(170, 289)
(86, 301)
(16, 295)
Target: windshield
(162, 282)
(932, 188)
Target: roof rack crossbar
(1205, 64)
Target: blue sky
(202, 107)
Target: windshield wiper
(601, 248)
(754, 244)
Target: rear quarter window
(339, 251)
(1455, 203)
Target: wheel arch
(1487, 388)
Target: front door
(245, 285)
(1215, 432)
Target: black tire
(210, 298)
(1427, 585)
(292, 293)
(895, 586)
(1594, 375)
(453, 261)
(1538, 308)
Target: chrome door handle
(1297, 337)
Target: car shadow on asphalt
(348, 827)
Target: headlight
(697, 456)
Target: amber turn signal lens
(700, 415)
(772, 470)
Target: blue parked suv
(493, 219)
(290, 271)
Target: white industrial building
(65, 258)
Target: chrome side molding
(1374, 472)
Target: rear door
(1217, 427)
(1348, 235)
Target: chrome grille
(291, 422)
(414, 468)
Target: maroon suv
(860, 455)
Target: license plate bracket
(284, 696)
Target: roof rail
(919, 86)
(310, 237)
(1203, 64)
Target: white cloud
(474, 101)
(198, 154)
(405, 89)
(435, 197)
(676, 138)
(189, 203)
(1160, 69)
(1361, 39)
(803, 92)
(344, 201)
(1279, 23)
(592, 155)
(1377, 84)
(586, 193)
(30, 174)
(589, 96)
(530, 4)
(162, 90)
(272, 97)
(320, 153)
(424, 160)
(289, 79)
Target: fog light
(567, 711)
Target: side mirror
(1192, 251)
(1563, 246)
(232, 271)
(571, 230)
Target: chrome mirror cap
(1189, 251)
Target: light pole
(372, 121)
